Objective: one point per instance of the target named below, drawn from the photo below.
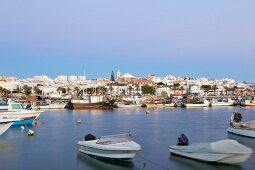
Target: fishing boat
(197, 103)
(236, 126)
(49, 105)
(92, 102)
(223, 151)
(248, 101)
(26, 116)
(112, 147)
(126, 105)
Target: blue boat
(3, 106)
(25, 121)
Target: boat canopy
(113, 139)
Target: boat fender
(183, 140)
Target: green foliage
(27, 90)
(164, 94)
(148, 89)
(112, 76)
(160, 84)
(62, 89)
(37, 90)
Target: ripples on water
(56, 134)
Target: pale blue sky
(185, 38)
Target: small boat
(224, 151)
(6, 122)
(236, 126)
(205, 103)
(222, 102)
(4, 127)
(248, 101)
(112, 147)
(126, 104)
(26, 116)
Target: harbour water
(54, 144)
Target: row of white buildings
(125, 84)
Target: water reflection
(94, 163)
(192, 164)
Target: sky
(197, 38)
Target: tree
(148, 90)
(160, 84)
(164, 94)
(112, 76)
(37, 90)
(206, 88)
(176, 86)
(130, 88)
(61, 89)
(214, 88)
(111, 88)
(27, 90)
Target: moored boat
(236, 126)
(113, 147)
(92, 102)
(224, 151)
(222, 102)
(204, 103)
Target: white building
(160, 90)
(81, 78)
(72, 78)
(62, 78)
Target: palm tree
(176, 86)
(130, 88)
(214, 88)
(27, 90)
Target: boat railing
(113, 139)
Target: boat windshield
(112, 139)
(16, 106)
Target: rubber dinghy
(236, 126)
(223, 151)
(113, 147)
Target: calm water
(56, 134)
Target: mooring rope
(152, 162)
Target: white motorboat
(223, 151)
(126, 105)
(205, 103)
(113, 147)
(51, 106)
(238, 127)
(4, 127)
(222, 102)
(6, 122)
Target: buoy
(129, 133)
(30, 132)
(147, 112)
(78, 121)
(22, 127)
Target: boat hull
(218, 158)
(98, 105)
(25, 121)
(242, 132)
(117, 152)
(4, 127)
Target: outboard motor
(237, 117)
(183, 140)
(89, 137)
